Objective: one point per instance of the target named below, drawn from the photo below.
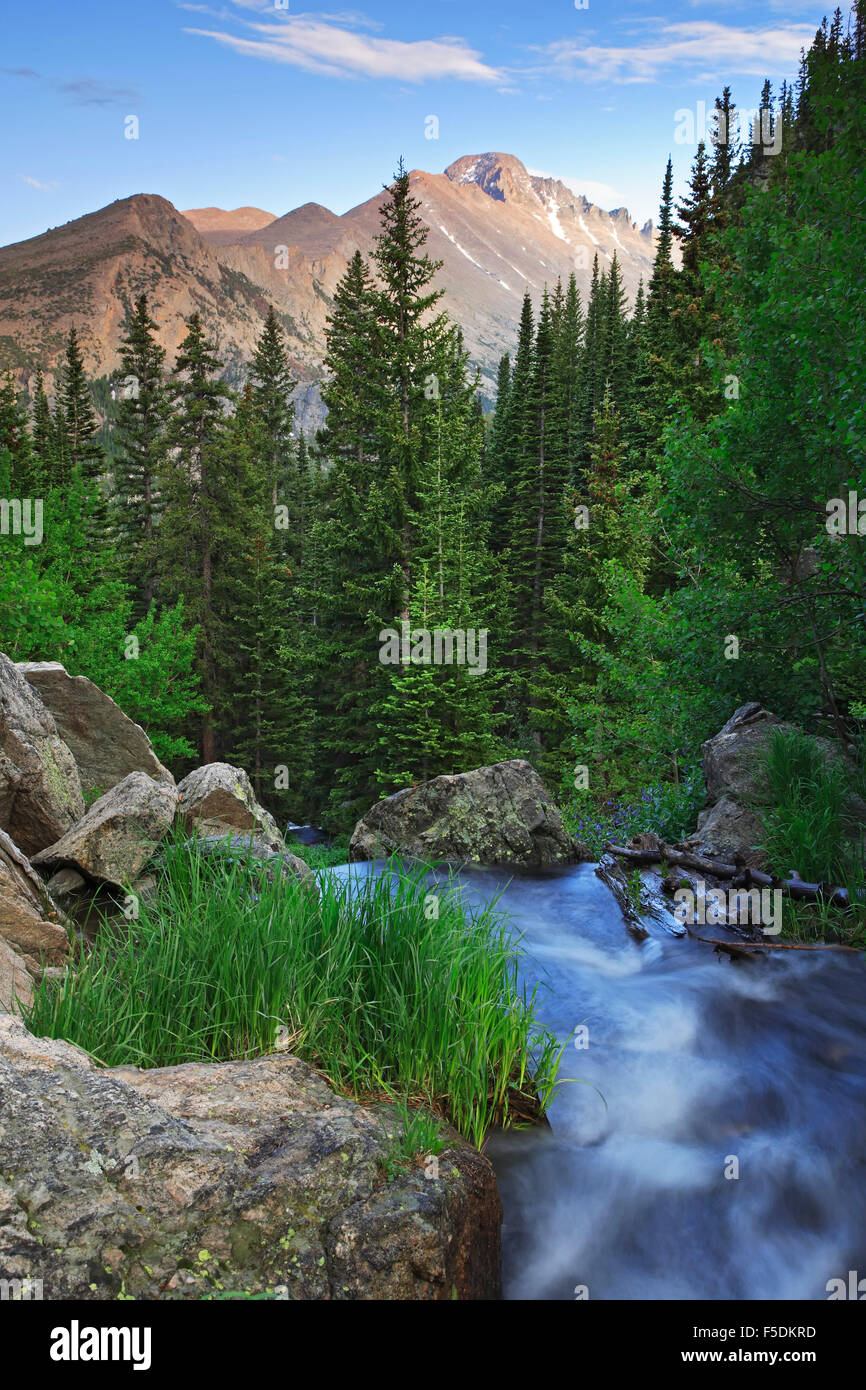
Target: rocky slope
(498, 230)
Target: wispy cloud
(34, 183)
(604, 195)
(83, 91)
(699, 49)
(87, 91)
(334, 46)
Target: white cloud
(331, 46)
(34, 183)
(604, 195)
(763, 52)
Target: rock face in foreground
(29, 921)
(40, 791)
(494, 815)
(238, 1176)
(105, 744)
(16, 985)
(120, 832)
(217, 800)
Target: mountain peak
(499, 229)
(501, 176)
(244, 219)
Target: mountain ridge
(498, 229)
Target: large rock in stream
(105, 744)
(494, 815)
(40, 790)
(250, 1177)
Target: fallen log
(772, 945)
(741, 875)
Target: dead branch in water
(742, 875)
(772, 945)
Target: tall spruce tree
(266, 716)
(44, 437)
(273, 385)
(15, 438)
(505, 454)
(139, 460)
(75, 417)
(355, 548)
(205, 510)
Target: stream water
(696, 1067)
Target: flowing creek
(693, 1061)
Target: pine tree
(438, 716)
(410, 339)
(614, 362)
(659, 368)
(75, 419)
(505, 453)
(273, 385)
(568, 369)
(355, 550)
(204, 509)
(495, 446)
(45, 464)
(610, 542)
(268, 731)
(592, 376)
(353, 387)
(15, 438)
(726, 151)
(661, 286)
(397, 369)
(139, 462)
(539, 521)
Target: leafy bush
(667, 809)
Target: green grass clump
(416, 1134)
(321, 856)
(389, 989)
(809, 828)
(805, 825)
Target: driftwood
(741, 875)
(739, 946)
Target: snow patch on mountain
(553, 218)
(455, 242)
(583, 227)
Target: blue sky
(271, 104)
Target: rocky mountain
(225, 227)
(498, 230)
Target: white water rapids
(692, 1061)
